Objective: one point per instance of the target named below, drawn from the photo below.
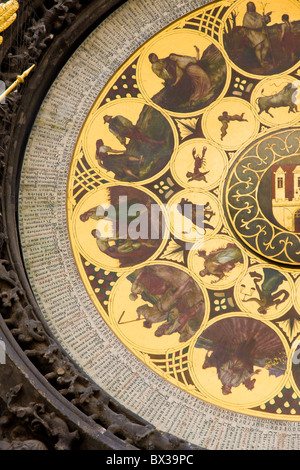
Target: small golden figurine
(7, 15)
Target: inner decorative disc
(262, 196)
(184, 203)
(178, 198)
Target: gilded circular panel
(131, 148)
(182, 207)
(182, 71)
(183, 214)
(240, 360)
(162, 306)
(265, 291)
(194, 216)
(218, 262)
(230, 130)
(271, 92)
(199, 164)
(261, 38)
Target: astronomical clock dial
(165, 253)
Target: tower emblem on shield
(286, 196)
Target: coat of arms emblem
(286, 196)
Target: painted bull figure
(286, 97)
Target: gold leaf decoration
(7, 15)
(290, 330)
(174, 252)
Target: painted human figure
(120, 247)
(115, 160)
(255, 29)
(225, 119)
(174, 300)
(220, 261)
(172, 68)
(287, 38)
(123, 129)
(128, 252)
(239, 348)
(235, 367)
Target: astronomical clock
(150, 264)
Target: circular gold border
(93, 115)
(236, 407)
(267, 316)
(132, 346)
(225, 146)
(233, 65)
(267, 121)
(215, 286)
(198, 141)
(208, 195)
(78, 248)
(193, 33)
